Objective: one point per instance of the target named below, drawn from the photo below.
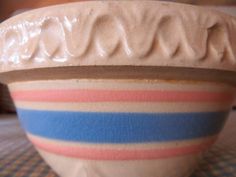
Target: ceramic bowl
(128, 88)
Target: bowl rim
(119, 33)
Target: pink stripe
(89, 95)
(119, 154)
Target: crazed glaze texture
(140, 33)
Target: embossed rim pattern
(130, 33)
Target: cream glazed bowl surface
(120, 88)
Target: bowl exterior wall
(122, 127)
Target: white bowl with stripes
(122, 127)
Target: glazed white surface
(131, 33)
(181, 166)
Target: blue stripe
(101, 127)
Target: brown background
(7, 7)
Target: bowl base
(181, 166)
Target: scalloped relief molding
(146, 33)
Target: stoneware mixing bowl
(120, 88)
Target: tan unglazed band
(119, 33)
